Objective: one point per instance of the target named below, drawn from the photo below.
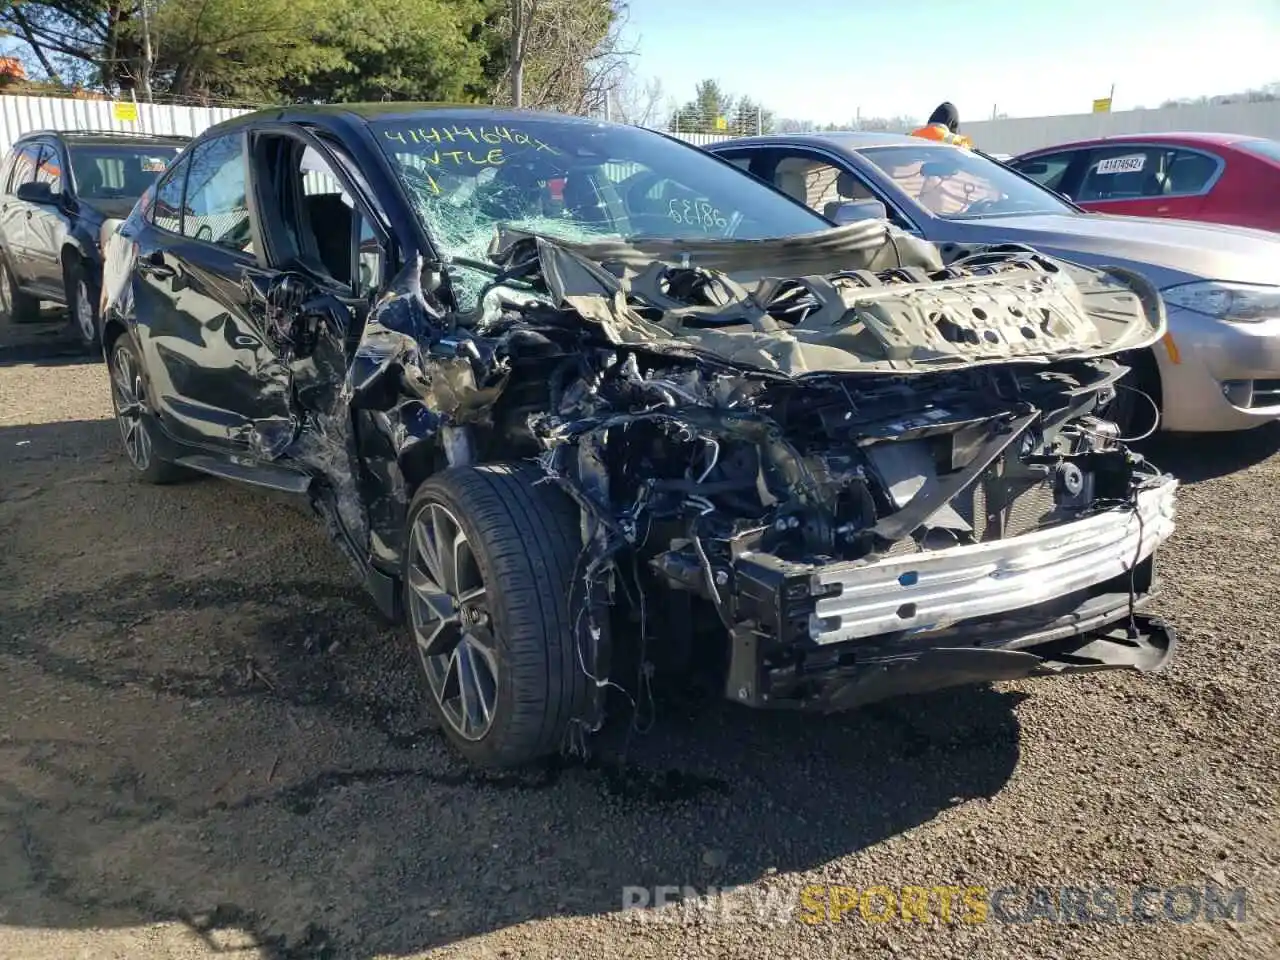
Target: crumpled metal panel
(834, 310)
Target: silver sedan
(1217, 369)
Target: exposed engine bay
(875, 480)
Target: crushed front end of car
(867, 481)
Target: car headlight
(1241, 302)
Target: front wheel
(129, 401)
(489, 562)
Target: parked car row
(832, 418)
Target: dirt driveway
(210, 746)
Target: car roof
(107, 137)
(1191, 138)
(848, 139)
(398, 110)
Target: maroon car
(1218, 177)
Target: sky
(824, 60)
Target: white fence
(19, 115)
(1020, 134)
(702, 139)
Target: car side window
(216, 209)
(1188, 172)
(166, 211)
(822, 186)
(1123, 173)
(24, 165)
(1137, 172)
(49, 169)
(1047, 170)
(814, 182)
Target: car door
(14, 212)
(321, 230)
(216, 376)
(47, 225)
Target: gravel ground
(210, 745)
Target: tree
(402, 50)
(710, 107)
(750, 118)
(240, 49)
(262, 51)
(637, 103)
(71, 40)
(561, 54)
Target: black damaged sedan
(589, 408)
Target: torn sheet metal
(874, 300)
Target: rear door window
(1188, 172)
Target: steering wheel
(204, 232)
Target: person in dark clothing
(944, 126)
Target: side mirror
(37, 191)
(852, 211)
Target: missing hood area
(737, 420)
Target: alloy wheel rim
(452, 627)
(84, 312)
(6, 294)
(126, 390)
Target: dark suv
(58, 189)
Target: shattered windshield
(573, 180)
(961, 185)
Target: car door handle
(155, 266)
(1162, 209)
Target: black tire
(15, 306)
(82, 307)
(524, 539)
(129, 401)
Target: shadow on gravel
(44, 343)
(1196, 457)
(365, 837)
(713, 795)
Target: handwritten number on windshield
(696, 213)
